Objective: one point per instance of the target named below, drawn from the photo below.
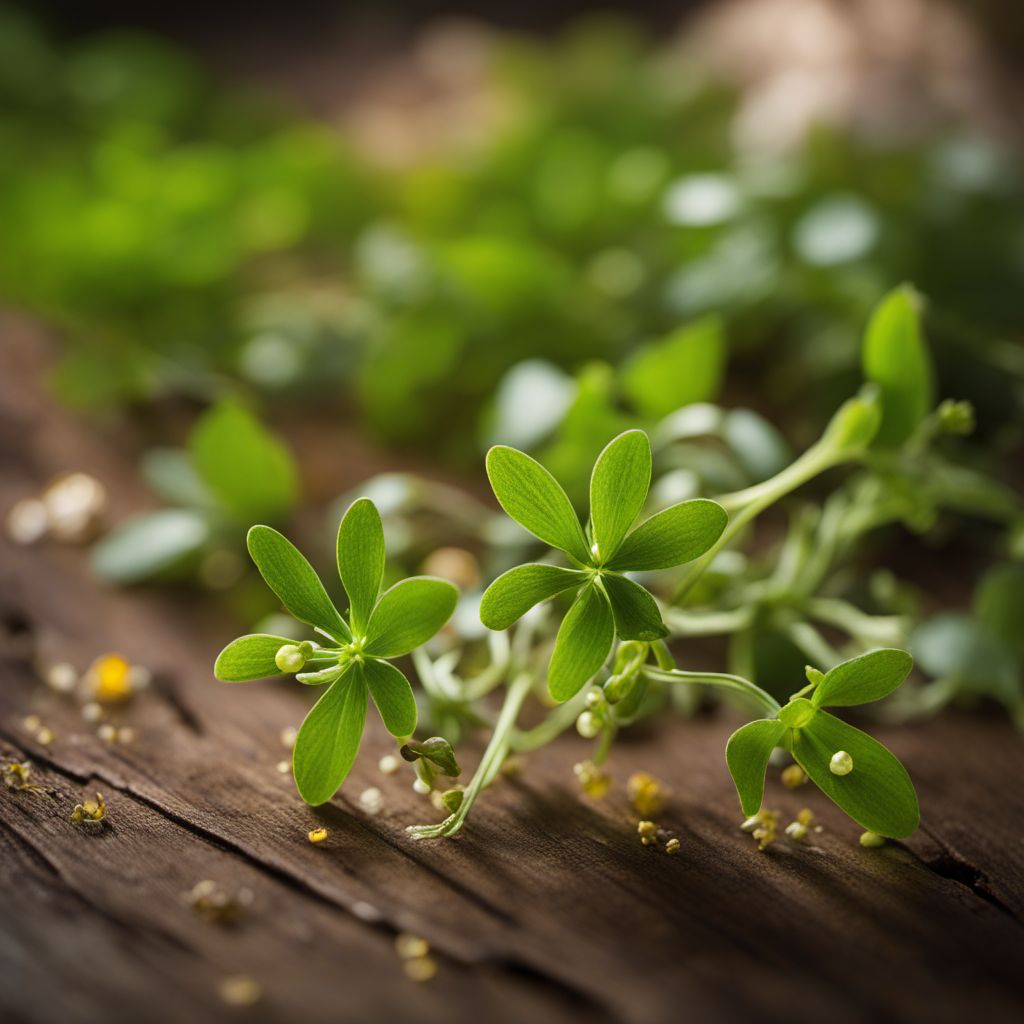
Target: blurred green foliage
(182, 235)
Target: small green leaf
(292, 578)
(855, 423)
(896, 359)
(583, 642)
(328, 740)
(685, 367)
(437, 750)
(149, 544)
(635, 610)
(393, 696)
(172, 474)
(535, 500)
(321, 676)
(747, 754)
(361, 559)
(249, 657)
(863, 679)
(250, 472)
(515, 592)
(877, 793)
(999, 604)
(408, 615)
(676, 535)
(618, 489)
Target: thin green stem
(490, 764)
(735, 683)
(744, 506)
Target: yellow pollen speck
(240, 990)
(647, 795)
(420, 969)
(793, 776)
(672, 847)
(318, 835)
(410, 947)
(109, 679)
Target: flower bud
(290, 658)
(841, 763)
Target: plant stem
(490, 763)
(736, 683)
(752, 501)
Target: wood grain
(545, 908)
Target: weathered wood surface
(546, 907)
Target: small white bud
(290, 658)
(588, 725)
(841, 763)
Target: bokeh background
(272, 257)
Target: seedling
(354, 664)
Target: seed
(31, 723)
(92, 712)
(389, 764)
(672, 847)
(872, 840)
(284, 767)
(420, 969)
(793, 776)
(240, 990)
(841, 763)
(109, 679)
(318, 835)
(62, 677)
(371, 800)
(45, 735)
(288, 734)
(107, 733)
(410, 947)
(647, 795)
(796, 830)
(126, 734)
(421, 787)
(27, 521)
(594, 781)
(73, 504)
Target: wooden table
(546, 908)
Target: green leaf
(361, 559)
(249, 657)
(583, 642)
(635, 610)
(618, 488)
(393, 696)
(328, 739)
(896, 359)
(292, 578)
(437, 750)
(676, 535)
(877, 794)
(863, 679)
(149, 544)
(535, 500)
(515, 592)
(172, 474)
(747, 754)
(855, 423)
(687, 366)
(250, 472)
(408, 615)
(999, 604)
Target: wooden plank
(546, 907)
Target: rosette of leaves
(877, 792)
(607, 603)
(354, 665)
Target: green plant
(607, 603)
(355, 663)
(231, 472)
